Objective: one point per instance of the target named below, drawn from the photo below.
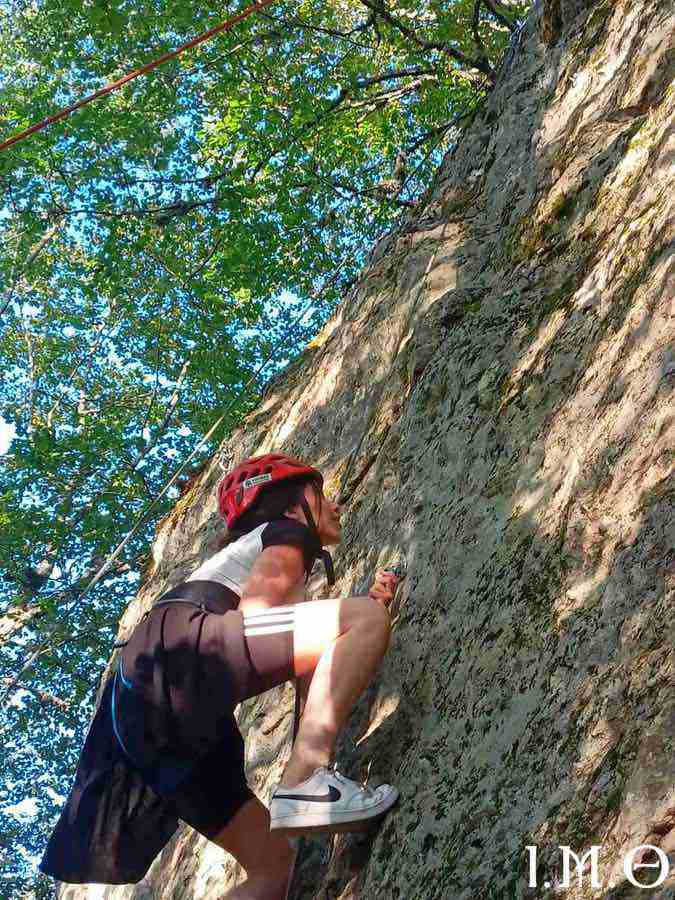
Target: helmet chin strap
(325, 555)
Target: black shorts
(200, 665)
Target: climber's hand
(384, 587)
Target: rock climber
(164, 744)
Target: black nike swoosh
(332, 795)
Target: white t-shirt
(232, 565)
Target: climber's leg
(266, 857)
(342, 641)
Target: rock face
(494, 400)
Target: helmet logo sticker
(258, 479)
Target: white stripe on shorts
(257, 630)
(271, 621)
(271, 612)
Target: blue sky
(7, 432)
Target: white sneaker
(327, 801)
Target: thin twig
(443, 47)
(439, 130)
(42, 695)
(502, 19)
(171, 406)
(32, 256)
(475, 21)
(63, 387)
(342, 35)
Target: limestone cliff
(494, 400)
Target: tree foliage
(157, 245)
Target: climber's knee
(319, 624)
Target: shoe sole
(304, 823)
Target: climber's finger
(386, 576)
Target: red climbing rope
(113, 85)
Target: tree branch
(18, 617)
(475, 21)
(30, 399)
(32, 256)
(158, 336)
(342, 35)
(88, 356)
(481, 65)
(15, 619)
(381, 98)
(218, 243)
(337, 185)
(41, 695)
(390, 76)
(500, 17)
(171, 406)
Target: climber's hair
(272, 503)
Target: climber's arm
(274, 575)
(277, 575)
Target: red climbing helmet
(241, 487)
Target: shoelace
(342, 778)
